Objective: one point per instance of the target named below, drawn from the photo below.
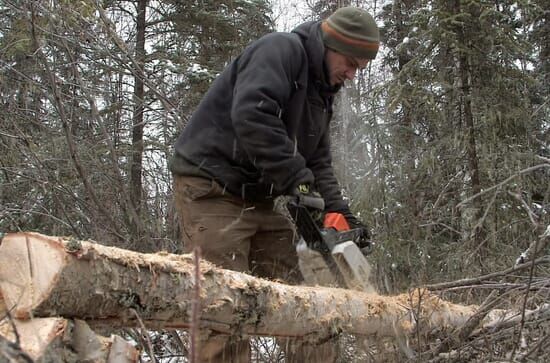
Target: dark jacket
(262, 128)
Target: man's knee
(219, 348)
(296, 351)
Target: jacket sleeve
(266, 75)
(325, 180)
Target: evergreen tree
(465, 123)
(93, 101)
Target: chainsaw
(328, 249)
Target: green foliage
(460, 62)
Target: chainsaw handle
(311, 201)
(367, 249)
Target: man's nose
(350, 73)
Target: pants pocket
(199, 188)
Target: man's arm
(325, 180)
(327, 184)
(266, 77)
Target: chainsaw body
(328, 251)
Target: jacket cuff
(305, 176)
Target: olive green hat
(351, 31)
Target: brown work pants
(240, 236)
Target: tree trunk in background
(474, 216)
(136, 168)
(473, 160)
(407, 148)
(407, 124)
(544, 41)
(541, 37)
(115, 286)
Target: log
(53, 276)
(92, 347)
(62, 340)
(12, 353)
(41, 339)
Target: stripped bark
(47, 276)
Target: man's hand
(366, 245)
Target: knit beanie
(351, 31)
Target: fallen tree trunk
(51, 276)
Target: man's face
(342, 67)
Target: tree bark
(52, 276)
(464, 35)
(136, 168)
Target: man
(262, 131)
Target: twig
(12, 323)
(146, 336)
(196, 307)
(508, 321)
(477, 280)
(536, 347)
(417, 318)
(491, 286)
(532, 216)
(524, 305)
(482, 219)
(441, 224)
(496, 186)
(12, 136)
(478, 225)
(460, 334)
(535, 247)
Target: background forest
(442, 145)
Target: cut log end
(58, 339)
(28, 270)
(36, 336)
